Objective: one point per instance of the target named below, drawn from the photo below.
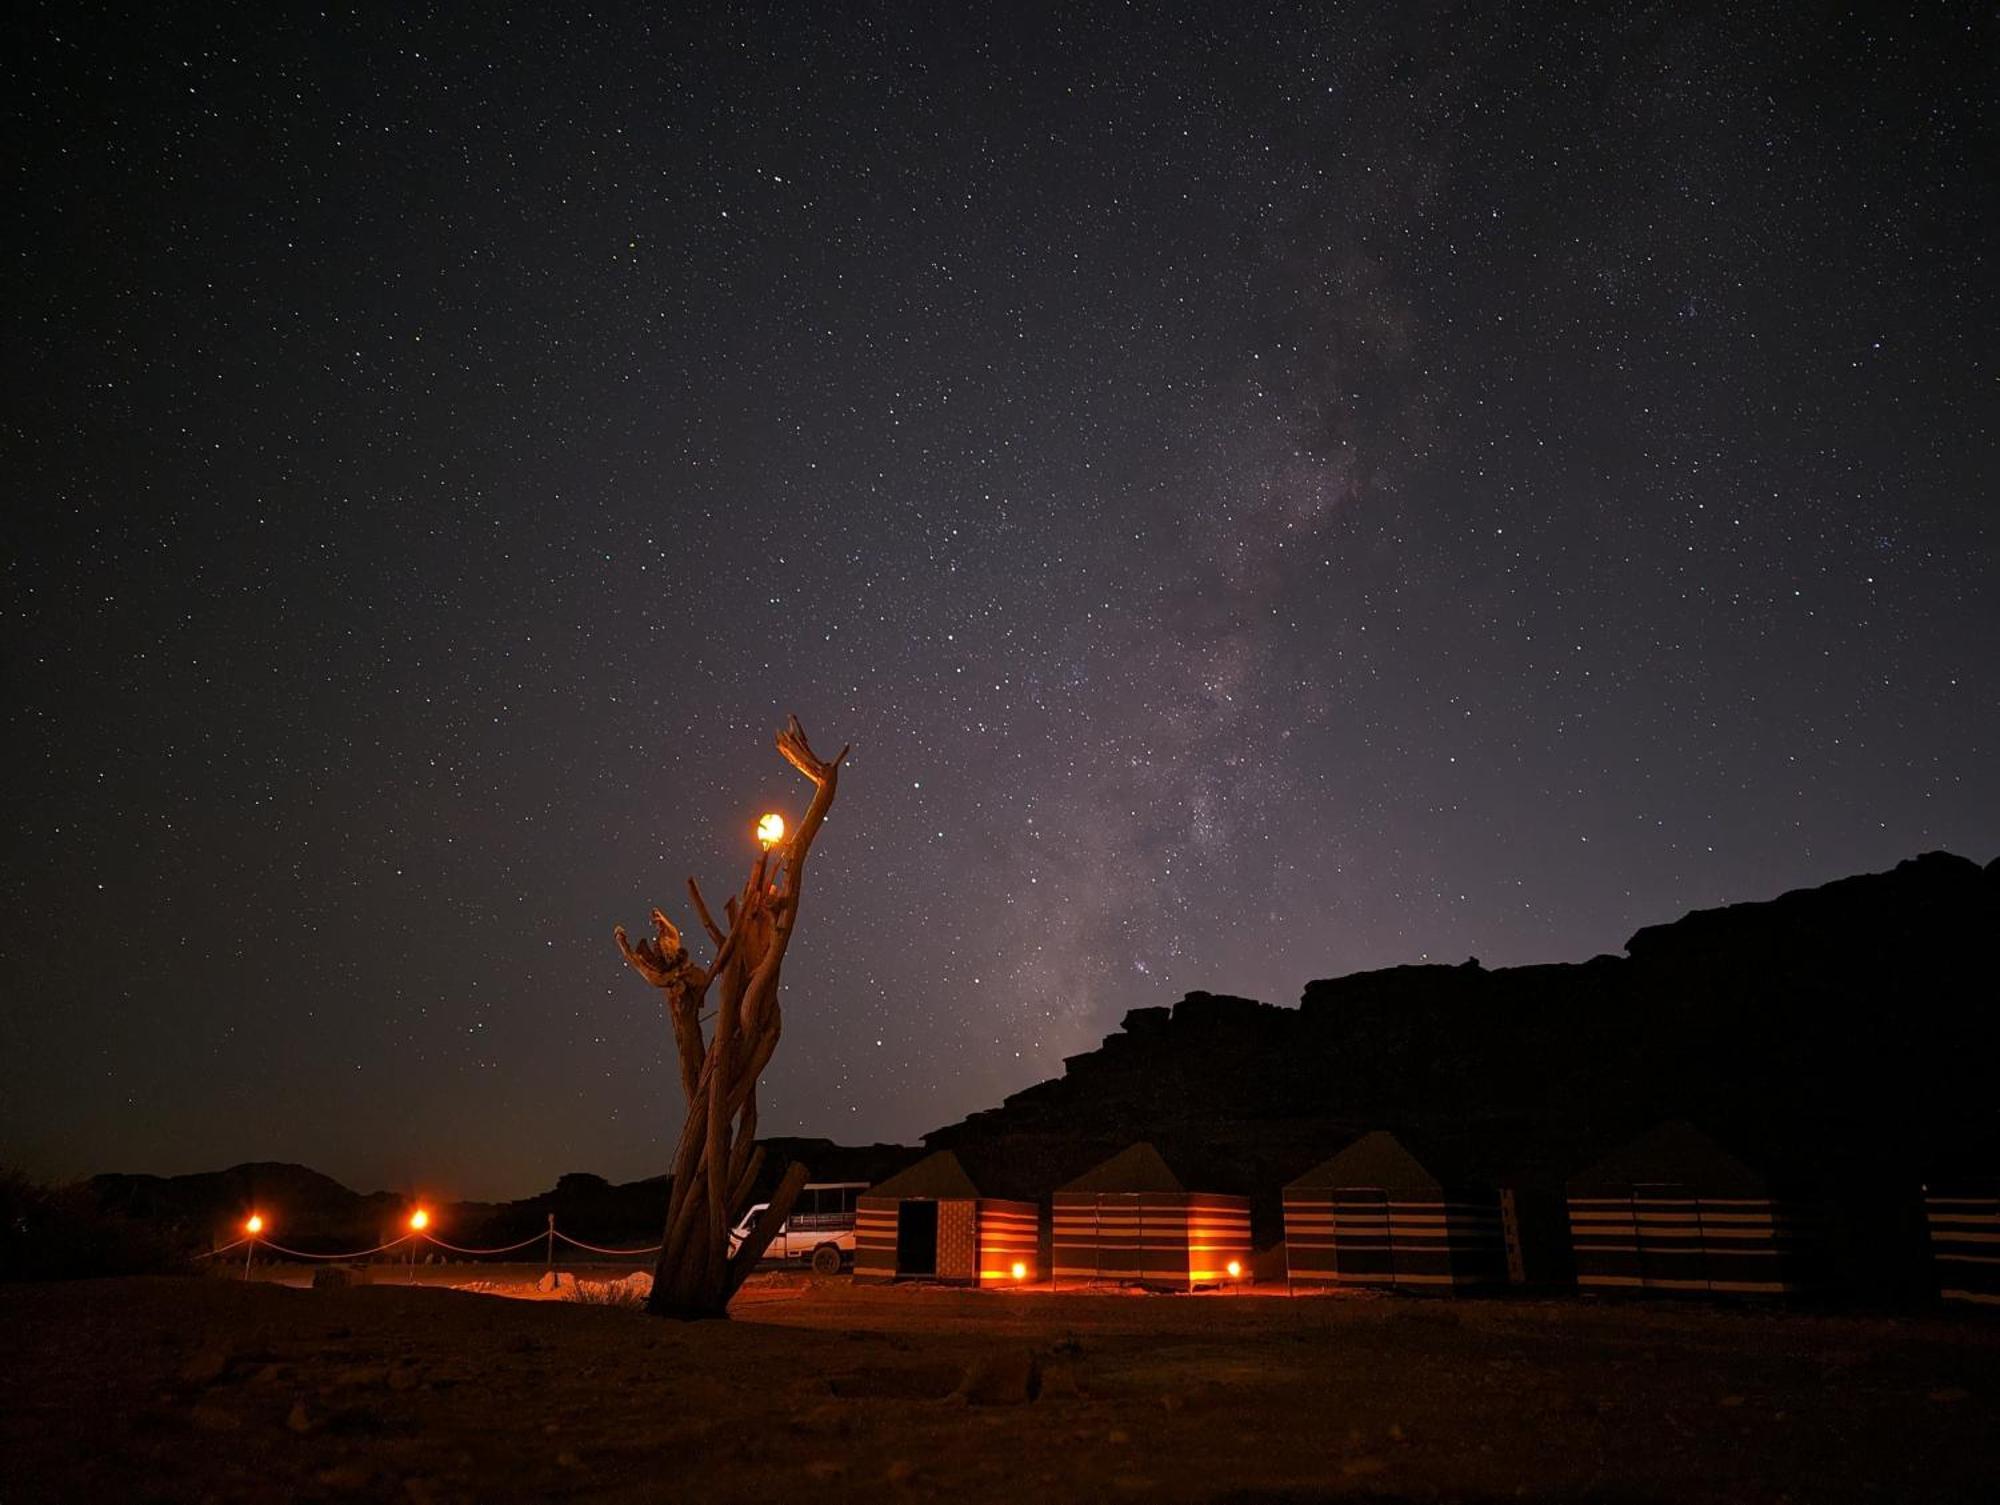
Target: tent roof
(1137, 1168)
(1673, 1152)
(1376, 1159)
(938, 1175)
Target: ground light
(419, 1221)
(1235, 1268)
(252, 1226)
(1020, 1271)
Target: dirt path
(211, 1390)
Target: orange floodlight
(1235, 1268)
(1020, 1271)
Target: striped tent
(1675, 1212)
(931, 1223)
(1376, 1215)
(1964, 1219)
(1131, 1221)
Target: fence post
(552, 1243)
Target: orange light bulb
(770, 830)
(420, 1220)
(1235, 1269)
(253, 1224)
(1020, 1270)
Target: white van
(820, 1229)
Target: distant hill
(1843, 1033)
(305, 1204)
(316, 1214)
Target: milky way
(1264, 497)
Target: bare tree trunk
(716, 1160)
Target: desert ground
(211, 1389)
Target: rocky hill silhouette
(1844, 1037)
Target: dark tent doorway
(917, 1238)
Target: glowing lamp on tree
(701, 1264)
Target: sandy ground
(494, 1278)
(820, 1391)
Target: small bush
(606, 1293)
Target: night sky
(1266, 493)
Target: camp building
(1964, 1220)
(1376, 1215)
(1673, 1211)
(1132, 1221)
(931, 1223)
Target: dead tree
(717, 1161)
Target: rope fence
(549, 1236)
(301, 1254)
(596, 1249)
(506, 1249)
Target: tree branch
(663, 961)
(795, 750)
(707, 919)
(767, 1225)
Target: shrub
(606, 1293)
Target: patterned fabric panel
(957, 1239)
(1164, 1257)
(1169, 1240)
(1965, 1246)
(1218, 1235)
(1358, 1236)
(1604, 1232)
(1669, 1240)
(875, 1238)
(1010, 1236)
(1757, 1247)
(1097, 1236)
(1309, 1236)
(1363, 1249)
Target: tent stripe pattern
(1376, 1216)
(1129, 1221)
(875, 1222)
(1674, 1212)
(1010, 1236)
(1169, 1240)
(1358, 1236)
(1666, 1239)
(1965, 1243)
(931, 1223)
